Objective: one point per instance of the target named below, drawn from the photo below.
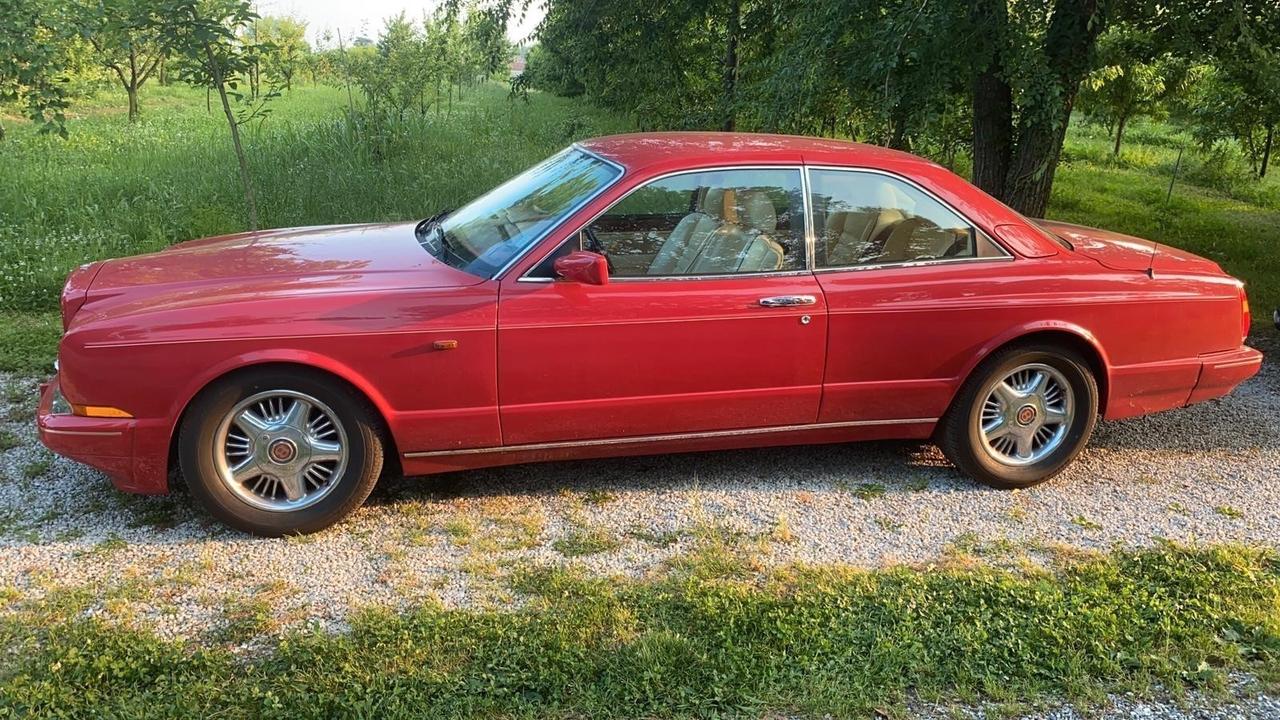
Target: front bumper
(106, 444)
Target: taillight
(1244, 315)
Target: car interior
(902, 225)
(723, 229)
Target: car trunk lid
(1114, 250)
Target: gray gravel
(1206, 474)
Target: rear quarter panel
(904, 339)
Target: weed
(581, 541)
(869, 491)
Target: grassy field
(113, 189)
(703, 642)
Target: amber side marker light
(99, 411)
(1244, 315)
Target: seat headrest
(758, 213)
(713, 203)
(890, 197)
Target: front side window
(718, 222)
(483, 236)
(864, 218)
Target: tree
(205, 32)
(1240, 96)
(128, 39)
(1223, 108)
(1029, 63)
(285, 40)
(31, 65)
(1132, 80)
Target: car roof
(665, 151)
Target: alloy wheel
(280, 450)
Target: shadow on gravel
(882, 466)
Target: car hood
(1112, 249)
(295, 261)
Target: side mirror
(583, 267)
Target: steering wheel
(593, 244)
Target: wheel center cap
(282, 451)
(1026, 415)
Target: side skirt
(436, 461)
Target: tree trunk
(992, 104)
(1120, 123)
(1068, 47)
(730, 81)
(216, 71)
(132, 92)
(1031, 171)
(1266, 151)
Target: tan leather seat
(860, 235)
(685, 242)
(746, 243)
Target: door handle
(788, 300)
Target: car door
(710, 320)
(908, 282)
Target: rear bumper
(1221, 372)
(106, 444)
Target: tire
(1000, 457)
(292, 484)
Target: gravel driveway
(1207, 474)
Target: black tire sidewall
(1084, 391)
(196, 452)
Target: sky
(365, 17)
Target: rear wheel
(1022, 416)
(277, 452)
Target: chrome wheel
(280, 450)
(1026, 414)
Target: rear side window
(865, 218)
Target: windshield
(483, 236)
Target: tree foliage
(1134, 77)
(999, 78)
(128, 39)
(32, 64)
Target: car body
(512, 364)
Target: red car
(634, 294)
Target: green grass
(807, 641)
(581, 541)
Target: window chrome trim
(622, 172)
(1006, 256)
(808, 228)
(636, 439)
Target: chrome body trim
(808, 221)
(787, 300)
(672, 437)
(622, 172)
(85, 433)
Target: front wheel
(277, 452)
(1022, 416)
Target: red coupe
(634, 294)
